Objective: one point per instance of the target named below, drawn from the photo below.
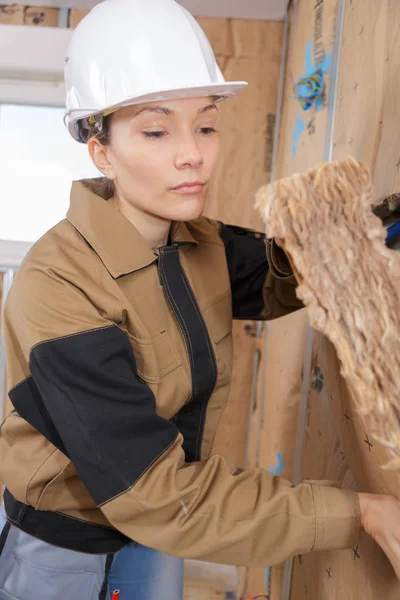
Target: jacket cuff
(337, 516)
(278, 261)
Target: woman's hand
(380, 518)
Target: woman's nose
(188, 154)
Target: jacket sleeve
(83, 382)
(262, 281)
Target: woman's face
(158, 147)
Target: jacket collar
(117, 242)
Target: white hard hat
(131, 51)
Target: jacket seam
(64, 337)
(18, 384)
(142, 473)
(98, 271)
(46, 458)
(221, 297)
(53, 480)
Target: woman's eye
(159, 134)
(207, 130)
(154, 134)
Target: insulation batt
(348, 280)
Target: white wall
(32, 63)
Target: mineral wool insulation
(348, 280)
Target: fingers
(380, 518)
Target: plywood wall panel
(247, 121)
(368, 116)
(219, 32)
(338, 444)
(301, 145)
(302, 133)
(336, 448)
(283, 367)
(250, 51)
(273, 432)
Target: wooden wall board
(368, 113)
(196, 589)
(273, 421)
(246, 51)
(284, 352)
(338, 444)
(311, 27)
(302, 133)
(250, 51)
(336, 448)
(284, 359)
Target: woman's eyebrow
(207, 108)
(167, 111)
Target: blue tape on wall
(309, 89)
(277, 470)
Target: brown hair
(101, 186)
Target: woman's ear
(100, 157)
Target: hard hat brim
(221, 90)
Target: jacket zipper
(181, 322)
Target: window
(38, 162)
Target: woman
(118, 337)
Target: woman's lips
(189, 188)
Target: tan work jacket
(119, 368)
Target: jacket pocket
(48, 471)
(155, 356)
(63, 580)
(161, 367)
(35, 453)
